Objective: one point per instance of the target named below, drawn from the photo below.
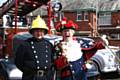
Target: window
(115, 36)
(21, 21)
(9, 21)
(104, 19)
(79, 16)
(85, 16)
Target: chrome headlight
(92, 69)
(89, 65)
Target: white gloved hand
(104, 38)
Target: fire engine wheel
(3, 75)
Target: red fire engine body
(21, 8)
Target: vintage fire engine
(12, 13)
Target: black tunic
(34, 55)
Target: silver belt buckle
(40, 73)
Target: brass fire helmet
(38, 23)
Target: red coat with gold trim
(62, 61)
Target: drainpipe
(16, 13)
(49, 16)
(96, 25)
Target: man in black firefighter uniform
(34, 57)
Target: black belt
(41, 73)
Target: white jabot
(73, 51)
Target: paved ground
(110, 76)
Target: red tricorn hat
(64, 24)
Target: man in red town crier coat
(70, 57)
